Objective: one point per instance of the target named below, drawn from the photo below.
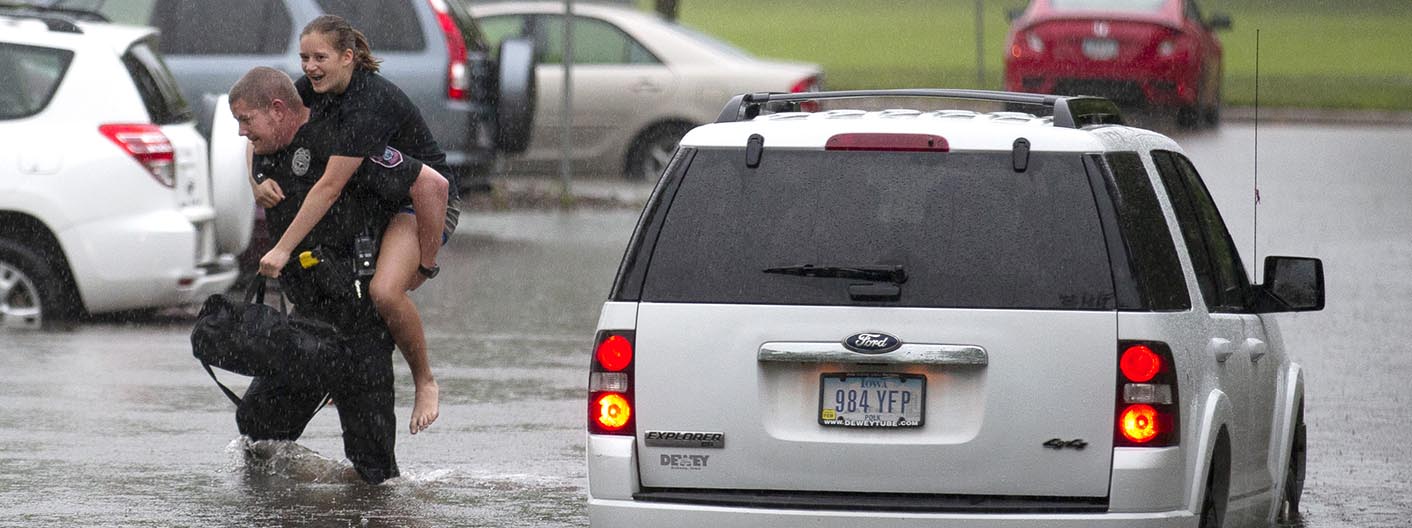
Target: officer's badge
(301, 161)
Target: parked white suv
(941, 318)
(106, 191)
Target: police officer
(291, 150)
(341, 84)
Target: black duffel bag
(255, 339)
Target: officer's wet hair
(342, 36)
(260, 86)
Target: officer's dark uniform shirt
(296, 168)
(326, 291)
(372, 114)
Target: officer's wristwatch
(429, 273)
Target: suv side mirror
(1219, 22)
(1292, 284)
(514, 111)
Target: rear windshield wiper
(891, 273)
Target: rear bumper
(142, 261)
(1158, 85)
(608, 513)
(1146, 490)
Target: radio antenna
(1255, 214)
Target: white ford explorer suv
(941, 318)
(107, 196)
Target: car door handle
(912, 354)
(644, 85)
(1221, 348)
(1256, 348)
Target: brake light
(1146, 408)
(888, 142)
(458, 80)
(811, 83)
(610, 398)
(149, 146)
(1139, 363)
(614, 353)
(807, 84)
(1035, 43)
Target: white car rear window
(29, 75)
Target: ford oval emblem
(871, 343)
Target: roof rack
(57, 17)
(1069, 111)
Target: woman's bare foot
(427, 406)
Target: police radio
(364, 261)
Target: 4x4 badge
(1060, 443)
(871, 343)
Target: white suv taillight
(610, 404)
(458, 80)
(149, 146)
(1147, 411)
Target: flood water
(114, 424)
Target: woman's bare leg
(396, 269)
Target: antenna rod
(1255, 215)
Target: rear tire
(652, 150)
(1294, 471)
(1213, 502)
(32, 294)
(1189, 116)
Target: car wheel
(652, 150)
(1189, 116)
(32, 294)
(1213, 504)
(1212, 114)
(1294, 471)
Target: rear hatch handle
(908, 354)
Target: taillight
(1035, 43)
(1139, 363)
(1166, 48)
(610, 404)
(1147, 410)
(149, 146)
(808, 84)
(887, 142)
(458, 80)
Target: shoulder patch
(390, 158)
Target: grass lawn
(1341, 54)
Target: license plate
(872, 400)
(1100, 49)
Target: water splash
(282, 458)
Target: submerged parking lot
(114, 423)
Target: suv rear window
(390, 25)
(229, 27)
(969, 231)
(29, 75)
(155, 83)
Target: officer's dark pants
(361, 387)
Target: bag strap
(229, 393)
(257, 294)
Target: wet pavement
(114, 424)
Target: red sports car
(1157, 53)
